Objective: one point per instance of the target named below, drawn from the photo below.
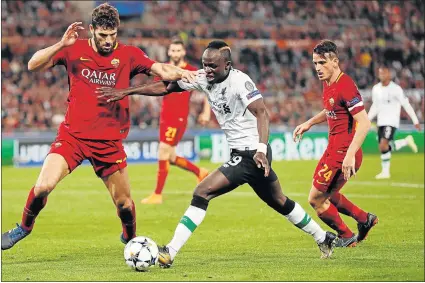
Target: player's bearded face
(105, 40)
(176, 53)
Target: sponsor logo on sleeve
(353, 101)
(253, 94)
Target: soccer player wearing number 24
(92, 129)
(241, 113)
(348, 125)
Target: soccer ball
(140, 253)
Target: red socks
(162, 175)
(332, 219)
(33, 206)
(187, 165)
(348, 208)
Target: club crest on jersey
(331, 101)
(115, 62)
(249, 86)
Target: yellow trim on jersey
(116, 45)
(89, 41)
(340, 75)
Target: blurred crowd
(368, 33)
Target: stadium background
(271, 41)
(241, 239)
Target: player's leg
(119, 187)
(271, 193)
(385, 135)
(328, 213)
(407, 141)
(164, 153)
(220, 181)
(184, 163)
(54, 169)
(178, 131)
(365, 220)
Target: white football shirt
(386, 104)
(229, 101)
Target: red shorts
(106, 156)
(328, 176)
(171, 131)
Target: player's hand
(111, 94)
(204, 118)
(261, 160)
(418, 127)
(71, 34)
(348, 166)
(189, 76)
(300, 130)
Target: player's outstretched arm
(169, 72)
(43, 59)
(304, 127)
(205, 115)
(410, 111)
(160, 88)
(258, 109)
(363, 126)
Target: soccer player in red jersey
(348, 125)
(172, 125)
(93, 129)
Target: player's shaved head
(221, 46)
(326, 49)
(216, 61)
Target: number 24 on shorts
(327, 174)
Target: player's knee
(203, 191)
(383, 146)
(123, 203)
(44, 188)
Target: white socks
(302, 220)
(189, 222)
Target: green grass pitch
(76, 237)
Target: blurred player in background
(92, 129)
(240, 110)
(172, 125)
(348, 126)
(387, 99)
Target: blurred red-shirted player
(348, 125)
(172, 125)
(93, 129)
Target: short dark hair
(326, 46)
(384, 65)
(105, 16)
(177, 40)
(222, 47)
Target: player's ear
(91, 29)
(169, 52)
(228, 65)
(335, 61)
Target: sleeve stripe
(354, 106)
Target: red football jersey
(87, 116)
(341, 100)
(176, 105)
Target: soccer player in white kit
(387, 99)
(241, 113)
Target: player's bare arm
(169, 72)
(363, 126)
(258, 109)
(42, 59)
(304, 127)
(205, 115)
(160, 88)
